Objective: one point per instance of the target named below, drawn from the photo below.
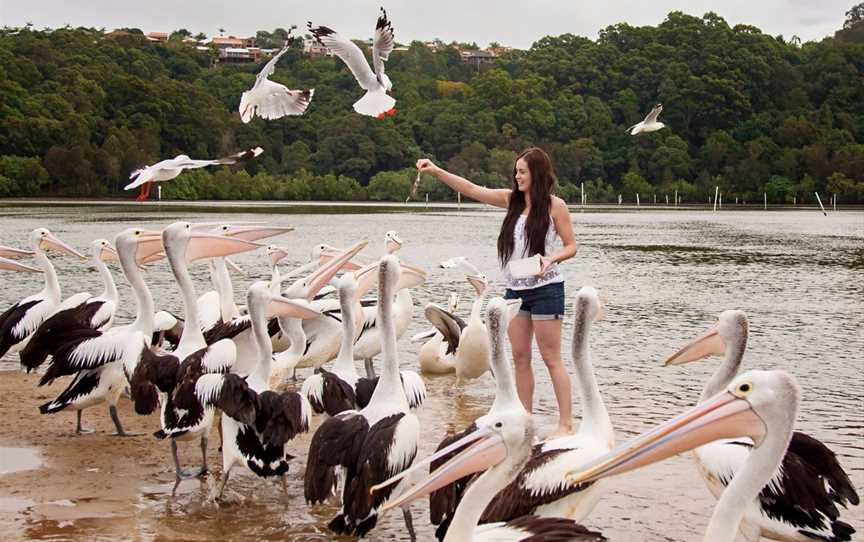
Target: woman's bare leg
(548, 335)
(520, 332)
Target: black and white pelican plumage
(472, 354)
(801, 500)
(174, 375)
(258, 424)
(649, 123)
(437, 355)
(271, 100)
(759, 405)
(371, 444)
(501, 443)
(376, 102)
(78, 311)
(21, 320)
(172, 167)
(101, 360)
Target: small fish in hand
(414, 188)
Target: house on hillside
(157, 36)
(314, 49)
(236, 50)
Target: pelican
(502, 443)
(22, 319)
(376, 102)
(257, 423)
(372, 444)
(472, 355)
(98, 358)
(183, 417)
(800, 501)
(649, 123)
(172, 167)
(437, 355)
(271, 100)
(11, 252)
(760, 405)
(79, 311)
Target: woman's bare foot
(561, 431)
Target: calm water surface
(665, 277)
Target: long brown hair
(537, 222)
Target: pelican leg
(112, 410)
(224, 483)
(204, 469)
(294, 375)
(409, 524)
(370, 368)
(79, 429)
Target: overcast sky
(512, 23)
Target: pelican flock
(235, 366)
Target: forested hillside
(744, 110)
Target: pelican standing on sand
(801, 501)
(502, 444)
(21, 320)
(472, 355)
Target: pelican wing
(346, 50)
(85, 348)
(382, 44)
(230, 393)
(335, 443)
(449, 325)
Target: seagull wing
(652, 116)
(382, 44)
(348, 51)
(270, 67)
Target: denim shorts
(542, 303)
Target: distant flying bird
(168, 169)
(273, 100)
(650, 124)
(376, 102)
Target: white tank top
(520, 250)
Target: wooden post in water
(458, 200)
(794, 201)
(820, 203)
(676, 197)
(765, 200)
(716, 193)
(720, 204)
(427, 199)
(667, 199)
(582, 190)
(655, 199)
(835, 202)
(619, 199)
(637, 199)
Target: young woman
(533, 221)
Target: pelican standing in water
(501, 443)
(800, 502)
(21, 320)
(760, 405)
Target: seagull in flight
(271, 100)
(650, 124)
(168, 169)
(376, 102)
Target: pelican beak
(705, 345)
(479, 283)
(327, 271)
(292, 308)
(423, 335)
(411, 276)
(256, 233)
(365, 277)
(328, 253)
(221, 226)
(149, 247)
(479, 451)
(723, 416)
(9, 252)
(51, 241)
(12, 265)
(276, 254)
(108, 254)
(394, 243)
(234, 267)
(208, 245)
(513, 306)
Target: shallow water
(665, 277)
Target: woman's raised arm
(498, 197)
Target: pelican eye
(745, 388)
(499, 425)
